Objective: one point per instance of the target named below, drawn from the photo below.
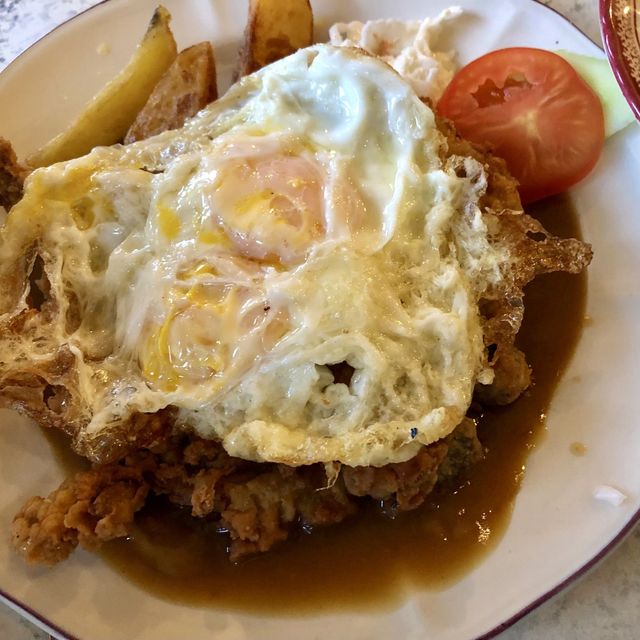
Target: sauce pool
(371, 561)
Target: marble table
(605, 604)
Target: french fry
(187, 86)
(106, 118)
(275, 29)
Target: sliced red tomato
(535, 111)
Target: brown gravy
(370, 561)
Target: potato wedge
(275, 29)
(187, 86)
(106, 118)
(12, 176)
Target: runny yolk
(168, 222)
(187, 346)
(212, 332)
(271, 207)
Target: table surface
(603, 605)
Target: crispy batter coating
(88, 509)
(512, 377)
(258, 504)
(533, 252)
(408, 482)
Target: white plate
(557, 529)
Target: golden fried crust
(186, 87)
(532, 252)
(12, 176)
(88, 509)
(259, 504)
(408, 482)
(502, 187)
(512, 376)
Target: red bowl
(620, 26)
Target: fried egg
(304, 220)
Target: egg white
(304, 219)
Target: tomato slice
(535, 111)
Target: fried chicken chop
(260, 504)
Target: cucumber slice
(598, 75)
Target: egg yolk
(271, 207)
(213, 332)
(256, 202)
(187, 345)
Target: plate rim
(609, 37)
(33, 616)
